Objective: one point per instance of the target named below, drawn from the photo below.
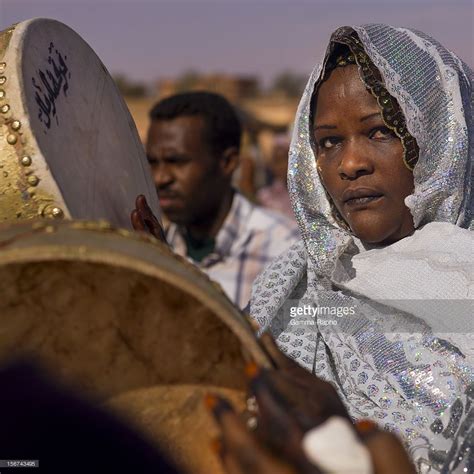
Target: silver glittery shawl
(404, 361)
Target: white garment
(429, 275)
(334, 447)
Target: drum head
(68, 145)
(112, 312)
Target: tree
(130, 88)
(187, 81)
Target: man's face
(188, 177)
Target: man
(193, 149)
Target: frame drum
(120, 317)
(68, 145)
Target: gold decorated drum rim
(52, 172)
(26, 188)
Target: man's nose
(355, 160)
(162, 176)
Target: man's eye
(176, 161)
(381, 132)
(328, 142)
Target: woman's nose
(355, 161)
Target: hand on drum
(143, 219)
(291, 401)
(310, 399)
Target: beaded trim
(392, 114)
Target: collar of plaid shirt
(228, 236)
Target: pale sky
(147, 39)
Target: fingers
(253, 324)
(144, 220)
(386, 450)
(311, 399)
(275, 416)
(277, 427)
(140, 202)
(239, 450)
(306, 399)
(143, 208)
(137, 222)
(136, 216)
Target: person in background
(193, 146)
(275, 196)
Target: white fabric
(422, 275)
(334, 447)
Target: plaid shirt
(250, 237)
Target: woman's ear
(229, 161)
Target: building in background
(233, 88)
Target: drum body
(68, 145)
(113, 311)
(122, 318)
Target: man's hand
(242, 452)
(310, 399)
(143, 219)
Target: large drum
(68, 145)
(121, 317)
(112, 313)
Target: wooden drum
(121, 317)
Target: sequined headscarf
(390, 360)
(434, 91)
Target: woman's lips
(357, 197)
(360, 197)
(362, 201)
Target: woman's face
(360, 160)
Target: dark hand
(386, 450)
(291, 401)
(242, 452)
(310, 399)
(143, 219)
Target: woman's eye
(328, 142)
(381, 132)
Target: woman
(374, 298)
